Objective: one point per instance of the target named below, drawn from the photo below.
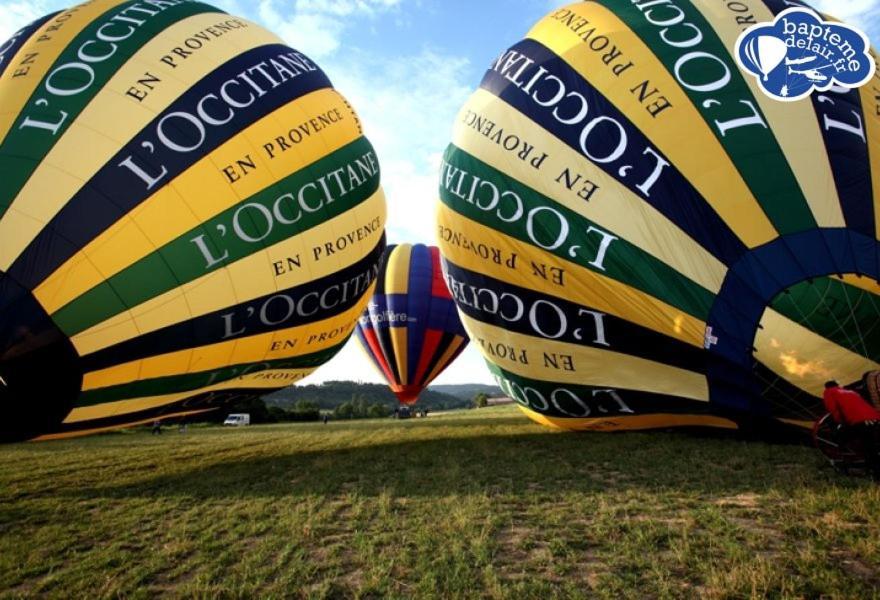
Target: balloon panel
(411, 330)
(636, 236)
(189, 215)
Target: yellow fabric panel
(582, 286)
(397, 269)
(680, 132)
(869, 94)
(264, 379)
(591, 366)
(444, 360)
(397, 282)
(804, 358)
(246, 279)
(16, 90)
(199, 194)
(794, 124)
(398, 342)
(614, 207)
(112, 119)
(864, 283)
(75, 434)
(233, 352)
(636, 422)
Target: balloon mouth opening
(407, 398)
(40, 374)
(821, 306)
(36, 394)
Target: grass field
(468, 504)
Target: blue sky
(407, 66)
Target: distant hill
(331, 394)
(467, 391)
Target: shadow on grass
(539, 463)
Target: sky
(406, 66)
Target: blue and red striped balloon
(411, 329)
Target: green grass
(468, 504)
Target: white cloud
(15, 15)
(317, 27)
(845, 11)
(408, 106)
(864, 14)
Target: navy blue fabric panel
(377, 312)
(444, 317)
(477, 294)
(376, 319)
(805, 245)
(672, 195)
(782, 263)
(420, 308)
(442, 312)
(114, 191)
(10, 47)
(864, 255)
(756, 272)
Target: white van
(238, 419)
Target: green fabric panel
(846, 315)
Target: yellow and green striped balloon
(636, 236)
(189, 214)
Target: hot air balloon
(766, 53)
(411, 330)
(636, 236)
(189, 214)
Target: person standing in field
(157, 427)
(860, 420)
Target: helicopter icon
(812, 74)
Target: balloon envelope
(189, 215)
(411, 330)
(636, 236)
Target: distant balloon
(766, 53)
(637, 236)
(411, 329)
(189, 215)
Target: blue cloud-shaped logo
(799, 53)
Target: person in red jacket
(859, 418)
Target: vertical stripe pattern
(636, 237)
(411, 330)
(190, 215)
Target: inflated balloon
(636, 236)
(189, 214)
(411, 330)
